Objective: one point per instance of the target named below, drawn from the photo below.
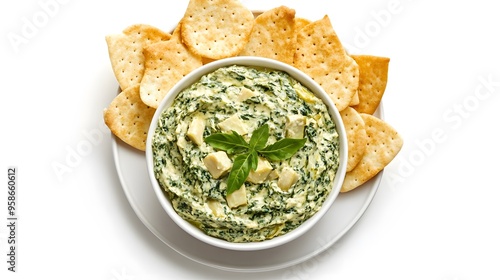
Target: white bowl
(305, 80)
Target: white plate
(345, 212)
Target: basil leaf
(259, 138)
(227, 142)
(283, 149)
(254, 161)
(249, 160)
(239, 172)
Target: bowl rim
(302, 78)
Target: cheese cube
(295, 126)
(216, 207)
(233, 123)
(196, 128)
(217, 163)
(273, 175)
(245, 93)
(237, 198)
(287, 178)
(260, 174)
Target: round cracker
(129, 118)
(356, 136)
(216, 28)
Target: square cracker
(321, 55)
(165, 64)
(384, 143)
(216, 28)
(373, 72)
(126, 52)
(273, 35)
(129, 118)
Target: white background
(435, 216)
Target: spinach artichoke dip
(277, 196)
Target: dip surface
(250, 97)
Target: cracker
(354, 99)
(321, 55)
(129, 118)
(126, 52)
(373, 71)
(356, 136)
(273, 35)
(301, 22)
(165, 64)
(216, 28)
(384, 143)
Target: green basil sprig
(247, 157)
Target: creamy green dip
(252, 97)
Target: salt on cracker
(126, 52)
(373, 72)
(129, 118)
(384, 143)
(321, 55)
(273, 35)
(165, 64)
(216, 28)
(356, 136)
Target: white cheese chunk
(181, 143)
(260, 174)
(273, 175)
(287, 178)
(234, 123)
(295, 126)
(237, 198)
(217, 163)
(196, 128)
(245, 93)
(216, 207)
